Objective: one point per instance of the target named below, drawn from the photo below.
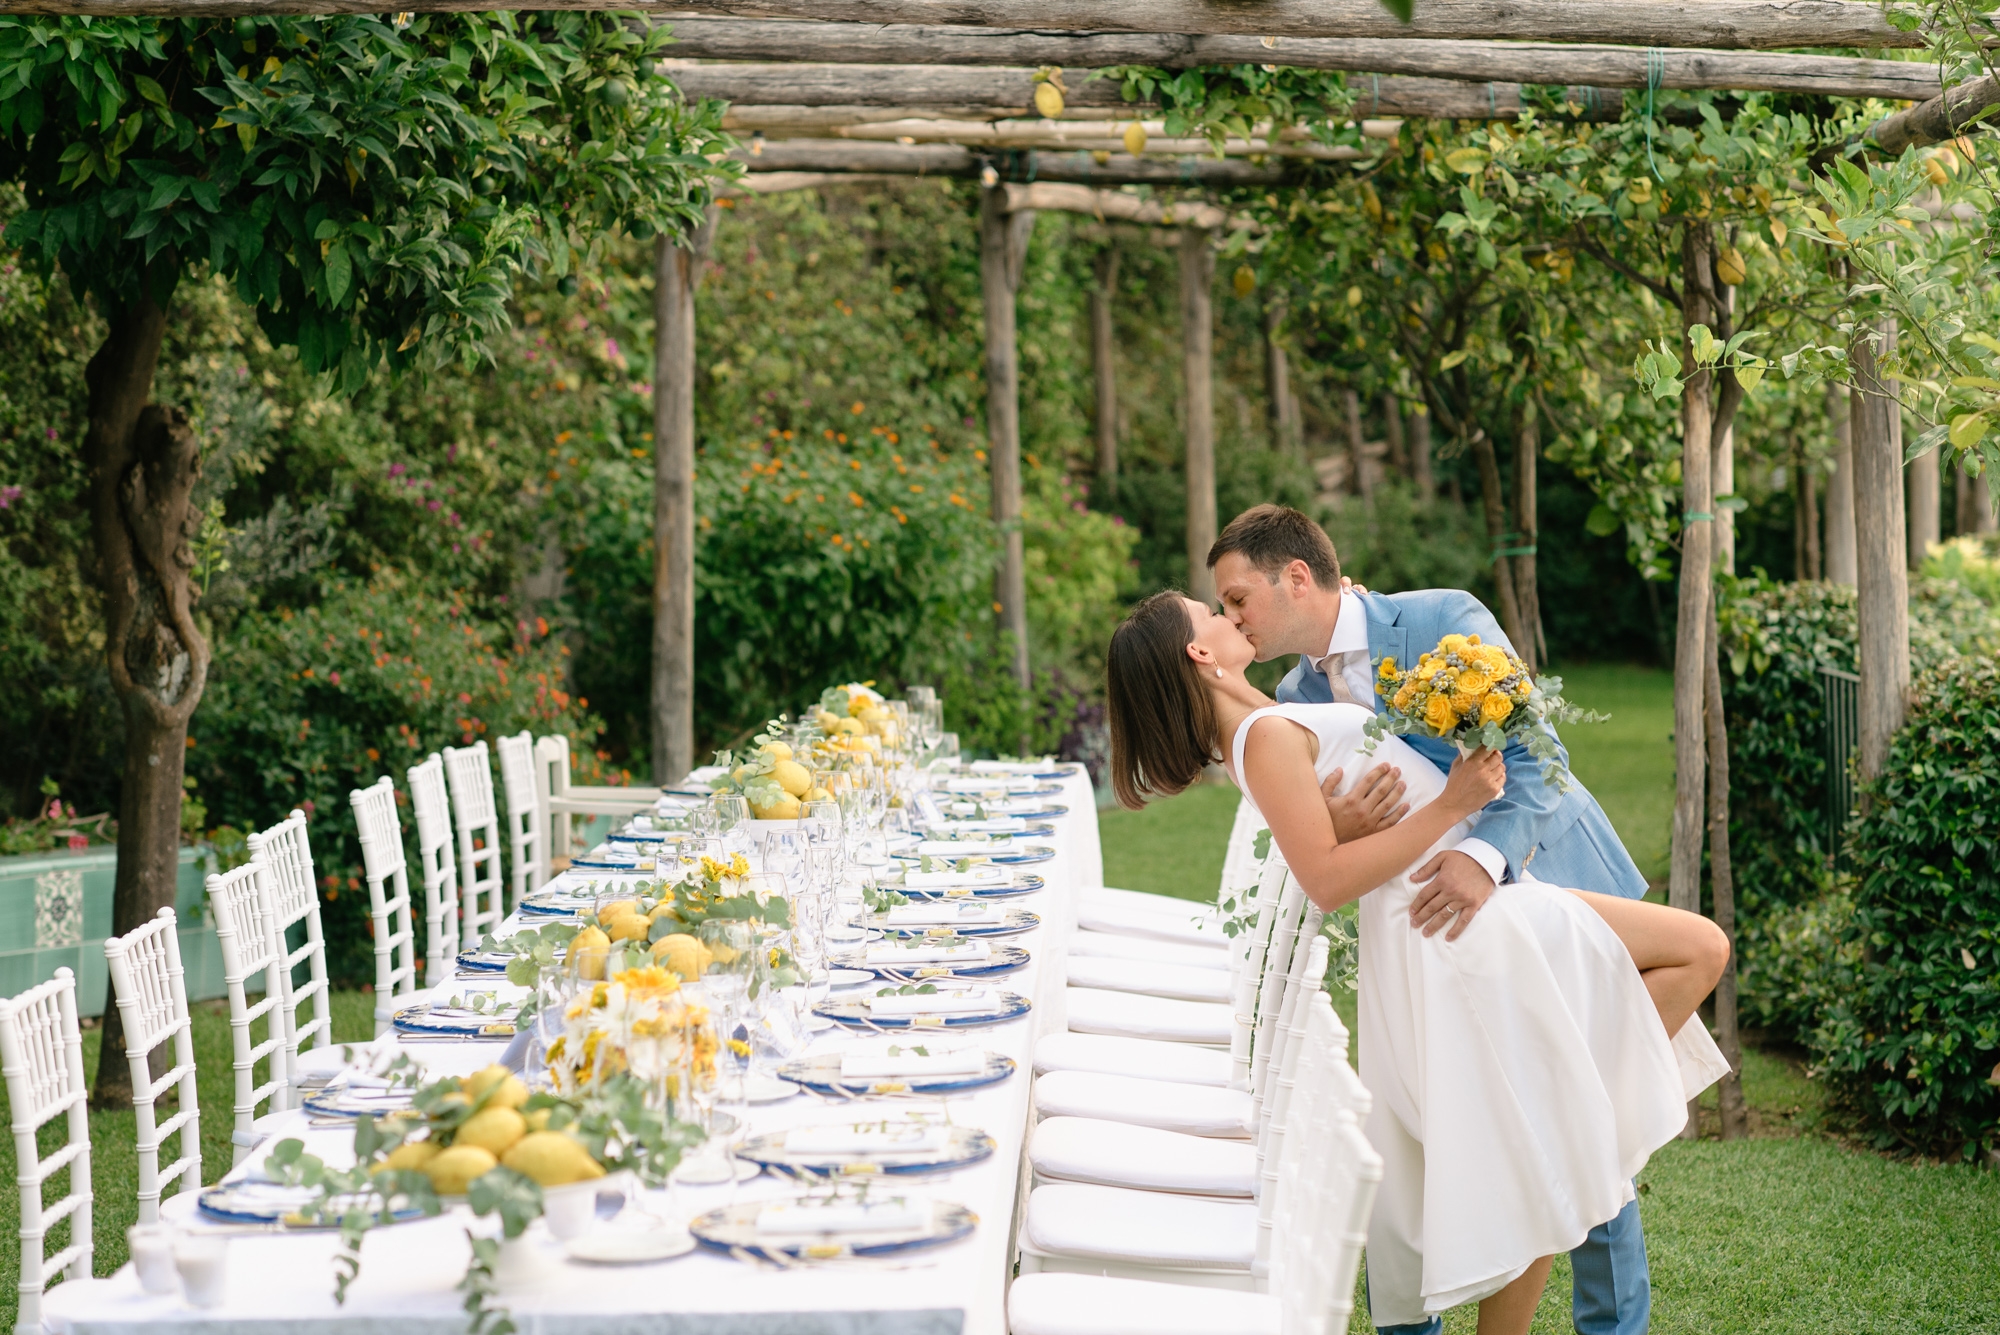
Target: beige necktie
(1336, 674)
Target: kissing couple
(1526, 1022)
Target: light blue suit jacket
(1564, 835)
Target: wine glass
(728, 811)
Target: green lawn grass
(1787, 1233)
(114, 1138)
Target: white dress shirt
(1347, 652)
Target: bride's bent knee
(1711, 949)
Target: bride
(1522, 1073)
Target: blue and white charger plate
(623, 858)
(732, 1230)
(346, 1101)
(1061, 769)
(1028, 811)
(1016, 922)
(1008, 889)
(852, 1013)
(821, 1075)
(556, 904)
(1026, 832)
(484, 961)
(266, 1203)
(964, 1148)
(426, 1019)
(1024, 855)
(1000, 960)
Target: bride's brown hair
(1162, 722)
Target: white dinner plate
(624, 1247)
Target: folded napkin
(352, 1079)
(966, 1002)
(974, 914)
(878, 1065)
(805, 1218)
(870, 1138)
(705, 773)
(946, 880)
(1010, 766)
(992, 783)
(925, 952)
(964, 807)
(996, 825)
(962, 848)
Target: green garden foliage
(1910, 1035)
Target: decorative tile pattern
(59, 909)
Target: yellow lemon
(510, 1094)
(1048, 100)
(662, 911)
(1135, 138)
(785, 808)
(629, 927)
(742, 773)
(538, 1120)
(452, 1171)
(683, 954)
(586, 952)
(793, 777)
(552, 1159)
(615, 908)
(410, 1154)
(819, 794)
(776, 750)
(492, 1129)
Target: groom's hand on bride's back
(1375, 803)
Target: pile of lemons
(626, 920)
(500, 1134)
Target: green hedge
(1910, 1033)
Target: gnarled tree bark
(1198, 371)
(144, 462)
(1838, 539)
(1103, 351)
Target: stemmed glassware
(927, 715)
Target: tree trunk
(144, 462)
(1420, 453)
(1527, 591)
(1392, 427)
(676, 273)
(1723, 557)
(1003, 250)
(1282, 405)
(1198, 372)
(1357, 449)
(1838, 539)
(1882, 603)
(1921, 475)
(1975, 503)
(1495, 506)
(1805, 517)
(1105, 372)
(1722, 886)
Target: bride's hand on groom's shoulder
(1374, 804)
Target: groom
(1278, 578)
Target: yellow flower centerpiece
(1477, 695)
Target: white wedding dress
(1521, 1074)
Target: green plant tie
(1377, 93)
(1697, 517)
(1656, 71)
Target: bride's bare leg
(1680, 955)
(1512, 1310)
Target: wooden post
(1722, 885)
(1697, 545)
(1198, 370)
(1105, 372)
(676, 272)
(1921, 475)
(1003, 249)
(1838, 538)
(1882, 603)
(1357, 449)
(1527, 450)
(1420, 453)
(1281, 405)
(1392, 428)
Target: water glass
(152, 1248)
(729, 811)
(203, 1262)
(947, 748)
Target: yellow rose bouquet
(1477, 695)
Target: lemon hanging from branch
(1049, 91)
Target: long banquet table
(281, 1282)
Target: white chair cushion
(1095, 1011)
(1140, 1227)
(1147, 978)
(1118, 1154)
(1195, 1110)
(1113, 899)
(1053, 1303)
(1140, 1058)
(1109, 944)
(1177, 920)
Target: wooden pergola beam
(1476, 61)
(1010, 92)
(1111, 206)
(850, 156)
(1739, 25)
(1970, 104)
(1075, 136)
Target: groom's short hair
(1271, 537)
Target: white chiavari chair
(252, 947)
(292, 892)
(151, 991)
(1301, 1280)
(1140, 915)
(480, 885)
(527, 815)
(432, 806)
(387, 871)
(41, 1055)
(561, 799)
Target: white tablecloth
(282, 1284)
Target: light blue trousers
(1610, 1294)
